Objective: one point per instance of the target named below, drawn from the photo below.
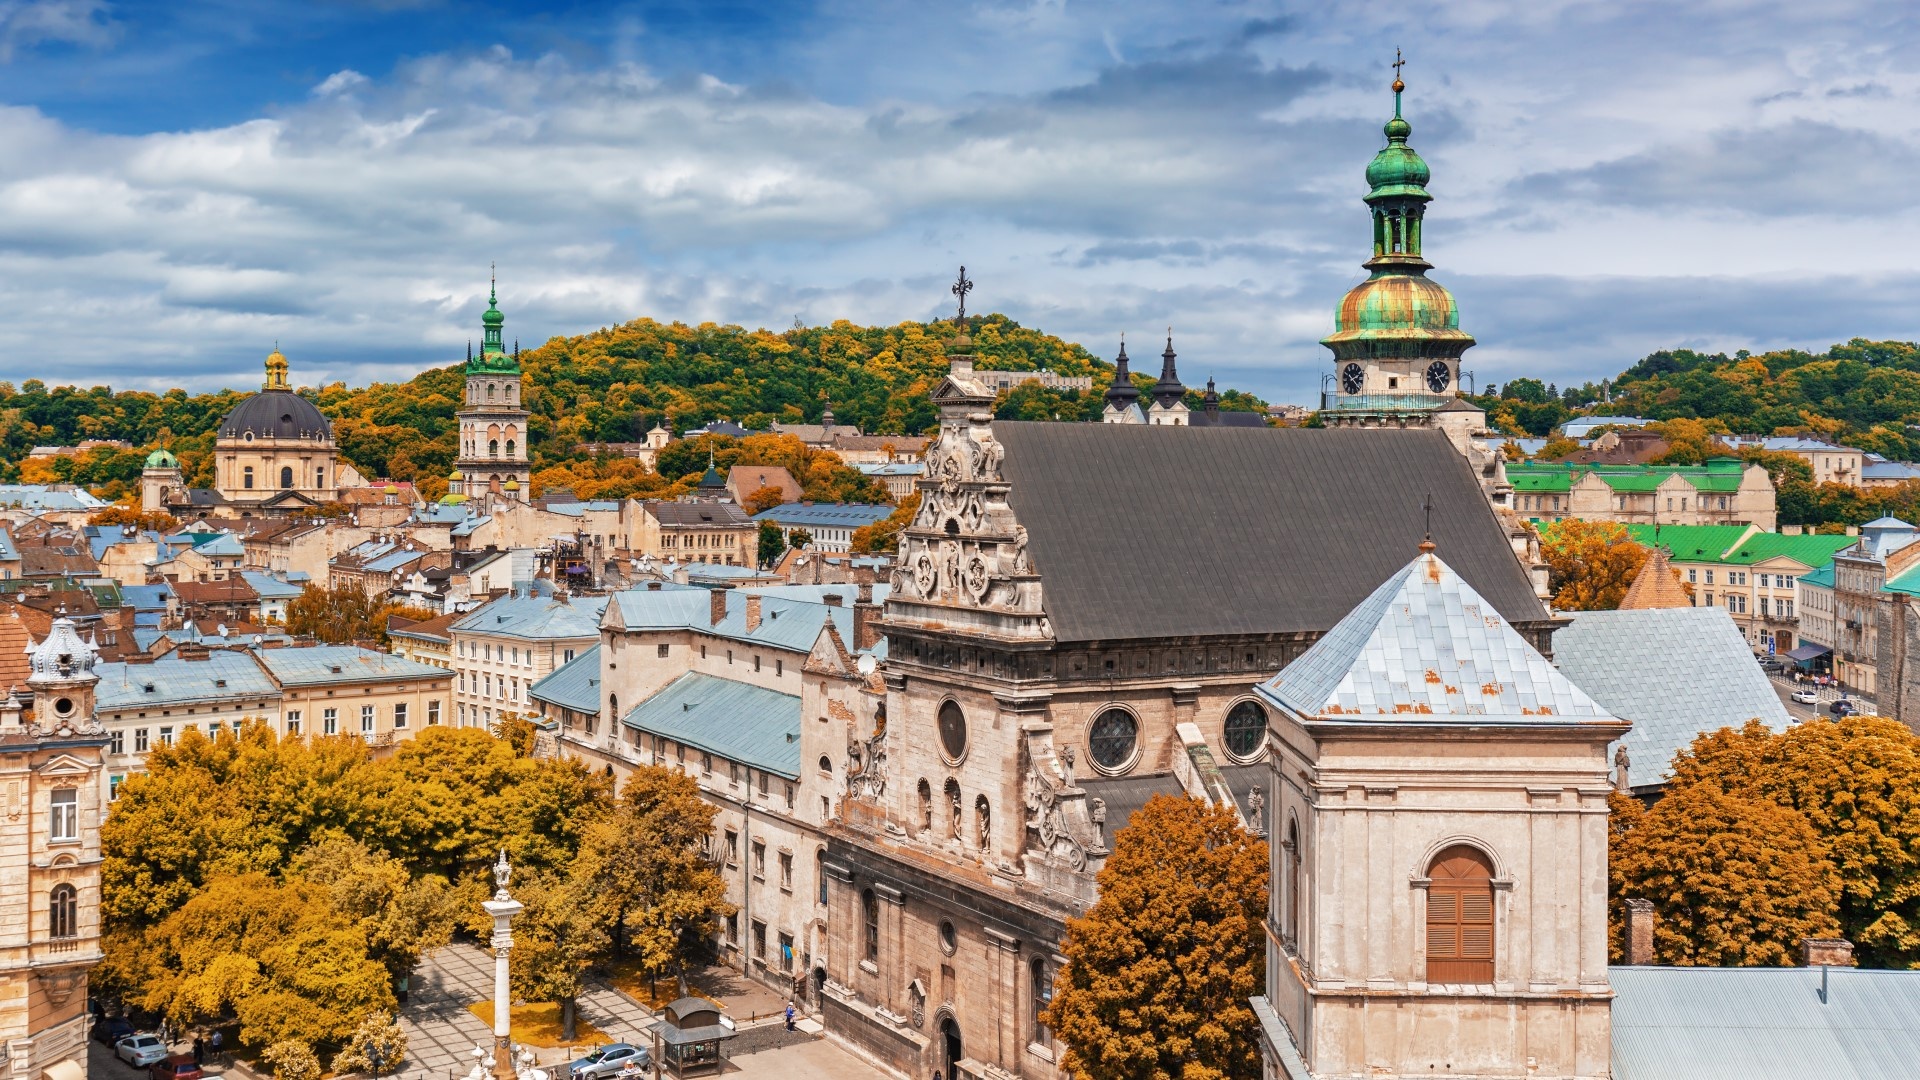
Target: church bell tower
(493, 419)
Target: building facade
(501, 649)
(50, 779)
(1724, 491)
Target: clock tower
(493, 419)
(1397, 340)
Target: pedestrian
(214, 1044)
(199, 1050)
(789, 1015)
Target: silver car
(608, 1060)
(140, 1050)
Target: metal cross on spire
(960, 289)
(493, 283)
(1398, 63)
(1427, 505)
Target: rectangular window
(63, 819)
(756, 661)
(166, 736)
(293, 721)
(733, 848)
(1709, 577)
(1709, 599)
(1692, 574)
(759, 940)
(566, 656)
(706, 764)
(329, 721)
(786, 870)
(1765, 606)
(1786, 609)
(113, 787)
(759, 860)
(366, 719)
(139, 740)
(660, 651)
(400, 715)
(116, 743)
(786, 952)
(779, 666)
(733, 929)
(433, 712)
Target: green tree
(773, 543)
(1159, 971)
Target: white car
(1805, 697)
(140, 1050)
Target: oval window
(1246, 731)
(953, 731)
(1113, 739)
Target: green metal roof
(1721, 476)
(748, 724)
(1731, 544)
(1906, 581)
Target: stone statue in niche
(953, 799)
(1066, 766)
(926, 810)
(1020, 563)
(990, 454)
(984, 811)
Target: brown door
(1460, 918)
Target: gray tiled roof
(1673, 672)
(853, 515)
(177, 681)
(1141, 531)
(537, 618)
(1425, 647)
(709, 515)
(1699, 1023)
(788, 624)
(314, 665)
(748, 724)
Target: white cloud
(26, 23)
(340, 82)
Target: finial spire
(1398, 86)
(960, 289)
(1427, 545)
(493, 283)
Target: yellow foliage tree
(1590, 564)
(1159, 971)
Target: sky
(182, 186)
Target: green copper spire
(493, 352)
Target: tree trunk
(567, 1012)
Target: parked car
(177, 1067)
(1844, 707)
(1773, 667)
(112, 1031)
(140, 1049)
(608, 1060)
(1805, 696)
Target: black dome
(276, 414)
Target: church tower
(160, 481)
(1397, 340)
(493, 423)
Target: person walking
(789, 1015)
(199, 1050)
(214, 1044)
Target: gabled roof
(225, 545)
(785, 623)
(1426, 648)
(316, 665)
(1657, 585)
(537, 618)
(270, 587)
(1272, 530)
(225, 675)
(732, 720)
(573, 685)
(1674, 673)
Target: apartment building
(502, 649)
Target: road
(1784, 685)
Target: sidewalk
(1828, 694)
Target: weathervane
(960, 289)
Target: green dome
(1397, 170)
(160, 459)
(493, 316)
(1393, 301)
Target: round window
(949, 941)
(953, 731)
(1115, 736)
(1246, 731)
(63, 706)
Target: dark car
(112, 1031)
(1844, 707)
(177, 1067)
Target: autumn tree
(401, 916)
(763, 499)
(156, 520)
(292, 1059)
(338, 615)
(1590, 564)
(657, 892)
(884, 535)
(558, 936)
(1160, 969)
(377, 1045)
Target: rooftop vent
(335, 668)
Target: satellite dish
(866, 664)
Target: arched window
(613, 708)
(489, 391)
(509, 447)
(870, 911)
(1042, 997)
(246, 478)
(493, 447)
(1291, 853)
(286, 476)
(63, 912)
(1460, 917)
(820, 873)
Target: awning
(1808, 652)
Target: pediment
(65, 765)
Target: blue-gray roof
(784, 623)
(573, 685)
(579, 509)
(537, 618)
(8, 551)
(145, 597)
(315, 665)
(1427, 648)
(840, 515)
(270, 587)
(1674, 673)
(177, 681)
(467, 527)
(747, 724)
(42, 497)
(391, 561)
(226, 544)
(1580, 426)
(893, 468)
(1699, 1023)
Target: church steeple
(276, 370)
(1168, 391)
(1122, 394)
(493, 350)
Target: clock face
(1439, 377)
(1352, 378)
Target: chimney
(753, 612)
(717, 603)
(1827, 952)
(865, 634)
(863, 577)
(1640, 919)
(653, 586)
(832, 599)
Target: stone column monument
(503, 908)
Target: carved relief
(1060, 819)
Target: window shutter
(1460, 918)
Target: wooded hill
(607, 386)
